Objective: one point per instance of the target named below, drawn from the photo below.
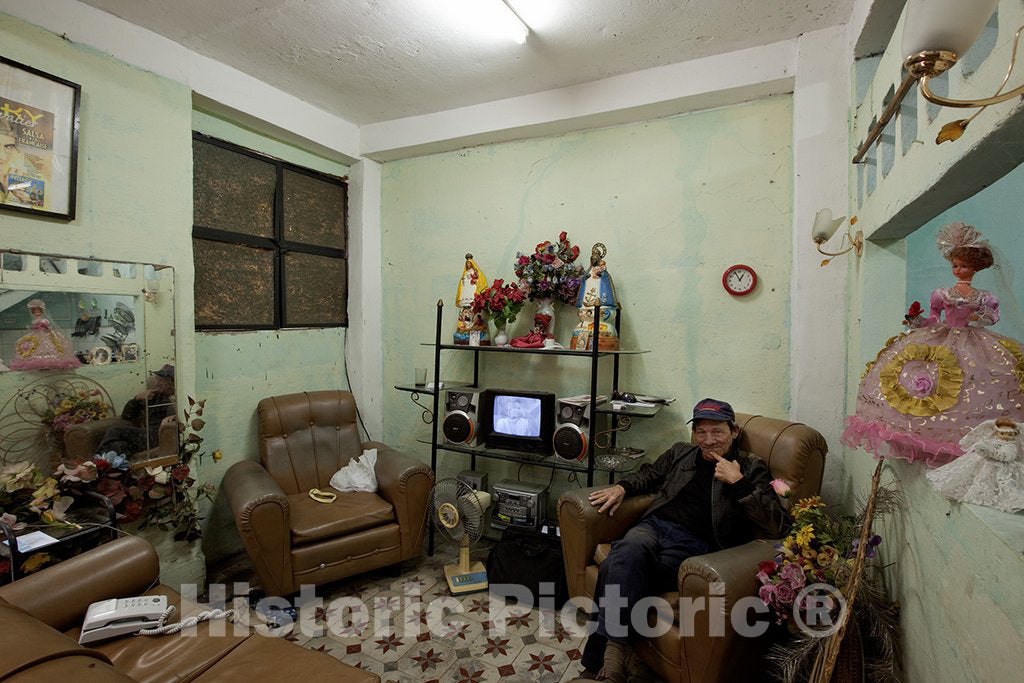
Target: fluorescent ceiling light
(491, 17)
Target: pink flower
(791, 572)
(85, 471)
(922, 384)
(784, 594)
(781, 488)
(766, 593)
(12, 521)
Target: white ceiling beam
(703, 83)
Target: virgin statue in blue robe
(597, 288)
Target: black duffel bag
(529, 558)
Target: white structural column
(821, 101)
(363, 352)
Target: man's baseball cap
(713, 409)
(166, 371)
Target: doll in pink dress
(929, 387)
(45, 347)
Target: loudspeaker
(462, 417)
(476, 480)
(572, 431)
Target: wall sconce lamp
(936, 33)
(825, 226)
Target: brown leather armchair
(793, 452)
(292, 539)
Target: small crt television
(520, 420)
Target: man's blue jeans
(642, 563)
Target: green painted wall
(675, 200)
(234, 370)
(956, 570)
(134, 173)
(995, 211)
(134, 192)
(135, 204)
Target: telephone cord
(163, 629)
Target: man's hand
(727, 470)
(606, 498)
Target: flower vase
(546, 307)
(501, 336)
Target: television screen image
(516, 415)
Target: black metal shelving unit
(594, 355)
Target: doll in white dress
(991, 470)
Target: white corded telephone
(112, 618)
(145, 615)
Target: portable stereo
(462, 423)
(572, 431)
(519, 504)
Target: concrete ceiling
(377, 60)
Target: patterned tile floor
(380, 623)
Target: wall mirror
(87, 360)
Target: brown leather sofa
(81, 440)
(41, 615)
(292, 539)
(793, 452)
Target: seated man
(145, 412)
(708, 497)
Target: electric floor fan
(458, 512)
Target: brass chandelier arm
(968, 104)
(856, 244)
(883, 120)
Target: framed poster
(38, 141)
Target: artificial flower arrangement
(821, 549)
(27, 496)
(503, 302)
(551, 271)
(30, 498)
(162, 495)
(818, 549)
(69, 407)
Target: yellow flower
(217, 455)
(804, 536)
(807, 504)
(826, 556)
(809, 553)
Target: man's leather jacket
(740, 512)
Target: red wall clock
(739, 280)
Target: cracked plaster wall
(676, 201)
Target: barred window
(269, 240)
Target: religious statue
(597, 288)
(471, 328)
